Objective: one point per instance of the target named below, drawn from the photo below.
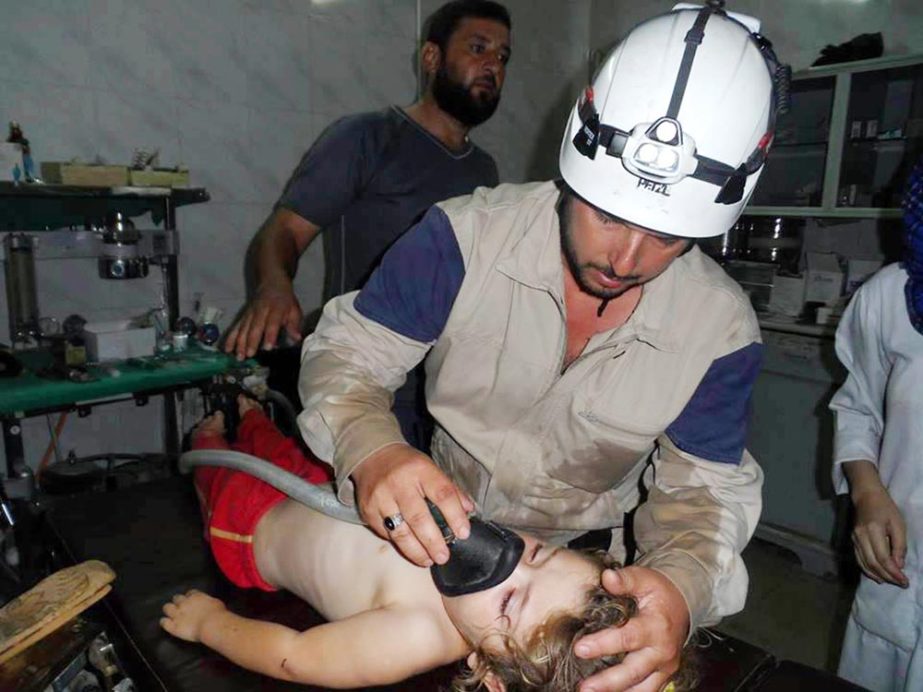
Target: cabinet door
(791, 433)
(883, 138)
(794, 175)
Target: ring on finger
(393, 521)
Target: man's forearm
(694, 525)
(277, 247)
(275, 255)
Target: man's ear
(430, 58)
(490, 680)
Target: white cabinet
(791, 436)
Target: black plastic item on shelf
(862, 47)
(9, 364)
(223, 397)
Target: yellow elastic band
(221, 533)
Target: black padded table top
(151, 535)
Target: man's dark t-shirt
(367, 179)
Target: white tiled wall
(236, 90)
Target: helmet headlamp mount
(660, 151)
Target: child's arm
(375, 647)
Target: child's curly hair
(547, 663)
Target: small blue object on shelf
(208, 334)
(28, 166)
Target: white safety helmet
(673, 134)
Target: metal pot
(776, 240)
(730, 246)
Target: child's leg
(208, 434)
(238, 501)
(257, 435)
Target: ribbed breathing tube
(318, 497)
(483, 560)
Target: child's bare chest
(342, 569)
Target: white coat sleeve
(859, 403)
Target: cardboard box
(823, 278)
(118, 340)
(159, 178)
(84, 174)
(787, 296)
(828, 316)
(857, 271)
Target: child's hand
(880, 536)
(186, 613)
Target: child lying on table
(387, 620)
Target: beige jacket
(554, 453)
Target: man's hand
(880, 536)
(274, 307)
(653, 639)
(397, 480)
(185, 615)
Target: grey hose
(317, 497)
(280, 400)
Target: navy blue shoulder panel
(413, 289)
(713, 425)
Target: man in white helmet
(584, 359)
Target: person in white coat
(879, 451)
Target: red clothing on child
(233, 502)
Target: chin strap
(913, 237)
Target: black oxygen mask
(486, 558)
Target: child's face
(548, 579)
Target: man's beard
(577, 269)
(458, 101)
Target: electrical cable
(280, 400)
(52, 446)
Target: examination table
(151, 535)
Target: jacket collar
(654, 315)
(535, 261)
